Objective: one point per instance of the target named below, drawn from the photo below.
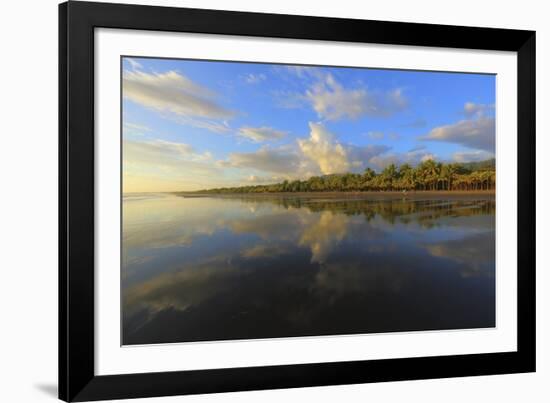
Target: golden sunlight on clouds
(320, 148)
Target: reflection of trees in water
(423, 212)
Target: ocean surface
(224, 268)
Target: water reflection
(254, 267)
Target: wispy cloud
(174, 94)
(378, 135)
(332, 101)
(266, 159)
(135, 65)
(216, 126)
(255, 78)
(160, 152)
(261, 134)
(135, 129)
(375, 135)
(159, 165)
(478, 133)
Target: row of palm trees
(428, 175)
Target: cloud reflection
(291, 261)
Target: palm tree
(389, 175)
(407, 177)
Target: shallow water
(212, 268)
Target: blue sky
(190, 125)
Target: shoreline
(365, 195)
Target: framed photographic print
(254, 201)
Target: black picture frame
(77, 379)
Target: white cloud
(279, 160)
(134, 129)
(212, 125)
(472, 109)
(332, 101)
(289, 99)
(133, 63)
(360, 157)
(175, 94)
(377, 135)
(159, 165)
(320, 148)
(301, 71)
(260, 134)
(330, 156)
(478, 133)
(255, 78)
(160, 152)
(318, 154)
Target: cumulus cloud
(261, 134)
(477, 133)
(360, 157)
(320, 147)
(318, 154)
(175, 94)
(332, 101)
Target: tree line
(428, 175)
